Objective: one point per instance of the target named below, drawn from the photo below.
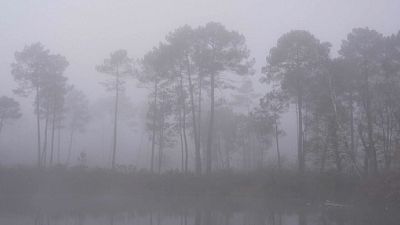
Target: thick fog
(204, 112)
(86, 32)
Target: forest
(200, 110)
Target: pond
(200, 210)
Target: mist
(238, 112)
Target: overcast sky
(86, 31)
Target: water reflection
(174, 214)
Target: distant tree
(388, 91)
(292, 65)
(274, 104)
(364, 48)
(34, 69)
(9, 110)
(258, 130)
(156, 69)
(53, 93)
(184, 42)
(343, 79)
(226, 132)
(219, 50)
(76, 116)
(117, 65)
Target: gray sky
(86, 31)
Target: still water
(187, 211)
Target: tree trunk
(58, 142)
(153, 139)
(300, 153)
(182, 124)
(45, 138)
(387, 130)
(353, 153)
(210, 126)
(323, 157)
(115, 121)
(181, 138)
(278, 153)
(160, 148)
(196, 137)
(199, 110)
(335, 143)
(365, 145)
(185, 139)
(161, 137)
(71, 137)
(52, 137)
(39, 149)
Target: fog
(85, 32)
(285, 95)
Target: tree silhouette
(292, 64)
(117, 65)
(36, 70)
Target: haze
(200, 112)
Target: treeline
(348, 111)
(201, 100)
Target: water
(186, 211)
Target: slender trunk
(228, 154)
(71, 138)
(278, 153)
(115, 121)
(181, 139)
(371, 144)
(58, 142)
(210, 126)
(387, 139)
(389, 150)
(184, 128)
(185, 141)
(353, 153)
(39, 149)
(199, 110)
(335, 126)
(218, 157)
(52, 137)
(335, 143)
(196, 137)
(366, 149)
(45, 138)
(153, 139)
(244, 152)
(300, 153)
(160, 148)
(323, 157)
(161, 137)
